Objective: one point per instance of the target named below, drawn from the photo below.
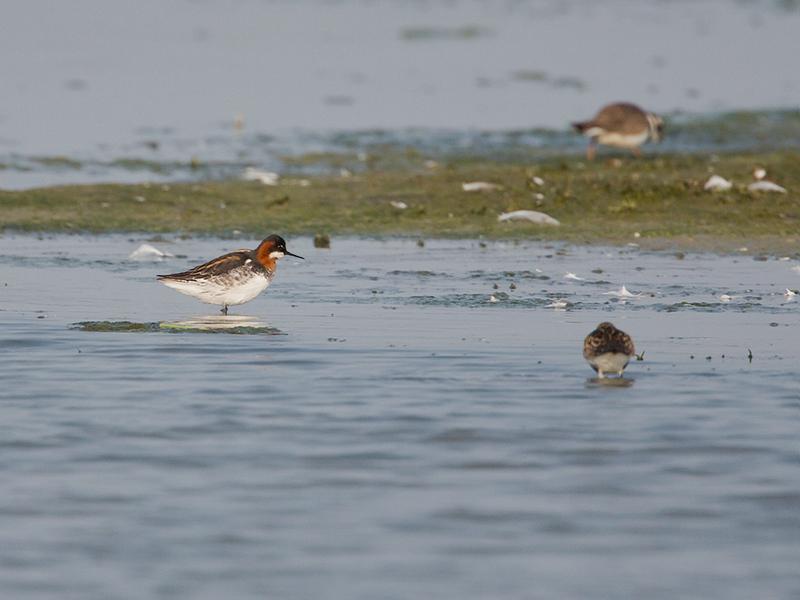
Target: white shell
(717, 183)
(766, 186)
(148, 252)
(265, 177)
(558, 304)
(622, 293)
(529, 215)
(479, 186)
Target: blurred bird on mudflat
(621, 125)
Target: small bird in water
(608, 350)
(233, 278)
(622, 125)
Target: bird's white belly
(219, 291)
(621, 140)
(610, 362)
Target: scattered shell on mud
(533, 216)
(716, 183)
(766, 186)
(265, 177)
(148, 252)
(479, 186)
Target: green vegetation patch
(651, 201)
(174, 327)
(115, 326)
(57, 162)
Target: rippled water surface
(393, 433)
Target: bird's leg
(224, 309)
(590, 151)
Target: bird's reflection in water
(223, 324)
(609, 382)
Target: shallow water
(403, 436)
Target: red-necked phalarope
(233, 278)
(608, 350)
(622, 125)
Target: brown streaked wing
(621, 118)
(600, 342)
(593, 343)
(216, 266)
(624, 343)
(616, 341)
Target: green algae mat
(616, 199)
(241, 326)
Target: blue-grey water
(396, 434)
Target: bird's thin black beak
(287, 253)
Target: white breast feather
(237, 287)
(610, 362)
(622, 140)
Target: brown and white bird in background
(233, 278)
(622, 125)
(608, 350)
